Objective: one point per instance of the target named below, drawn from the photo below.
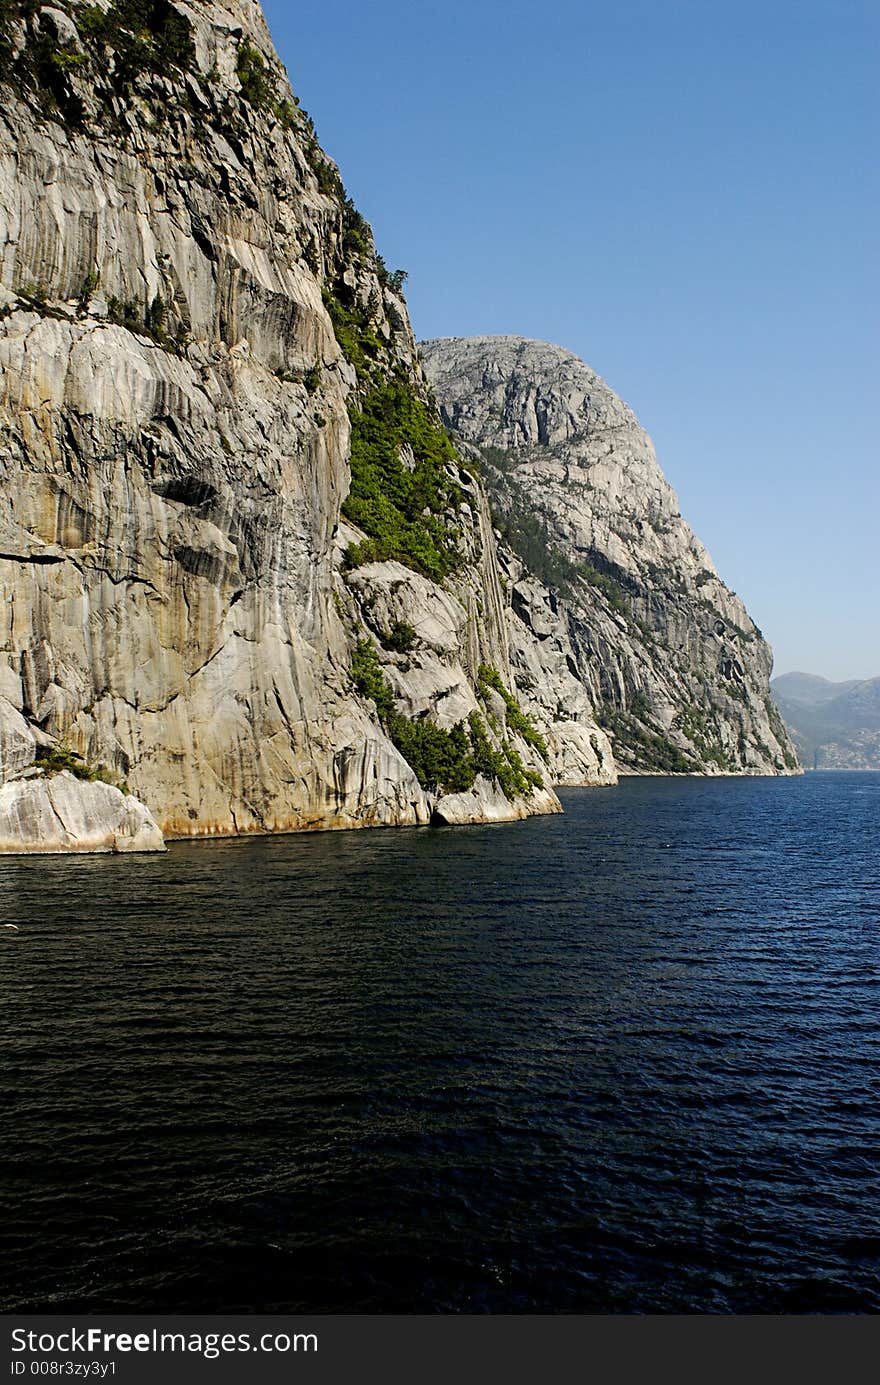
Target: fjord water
(623, 1060)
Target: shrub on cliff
(60, 758)
(516, 719)
(443, 761)
(400, 508)
(144, 36)
(256, 86)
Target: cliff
(676, 668)
(242, 567)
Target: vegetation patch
(401, 509)
(354, 332)
(443, 761)
(516, 719)
(144, 35)
(369, 678)
(60, 757)
(36, 298)
(310, 379)
(639, 706)
(400, 638)
(129, 40)
(651, 751)
(329, 181)
(440, 759)
(257, 87)
(87, 288)
(525, 531)
(527, 534)
(43, 67)
(730, 626)
(122, 43)
(503, 765)
(702, 731)
(357, 234)
(610, 589)
(152, 322)
(393, 279)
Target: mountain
(808, 689)
(244, 571)
(834, 725)
(669, 656)
(249, 582)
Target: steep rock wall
(668, 656)
(192, 314)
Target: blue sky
(686, 195)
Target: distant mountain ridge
(810, 688)
(834, 725)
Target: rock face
(630, 607)
(194, 324)
(61, 814)
(833, 725)
(242, 566)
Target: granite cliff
(242, 567)
(249, 584)
(631, 602)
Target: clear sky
(684, 194)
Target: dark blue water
(624, 1060)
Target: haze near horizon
(684, 197)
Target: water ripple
(621, 1061)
